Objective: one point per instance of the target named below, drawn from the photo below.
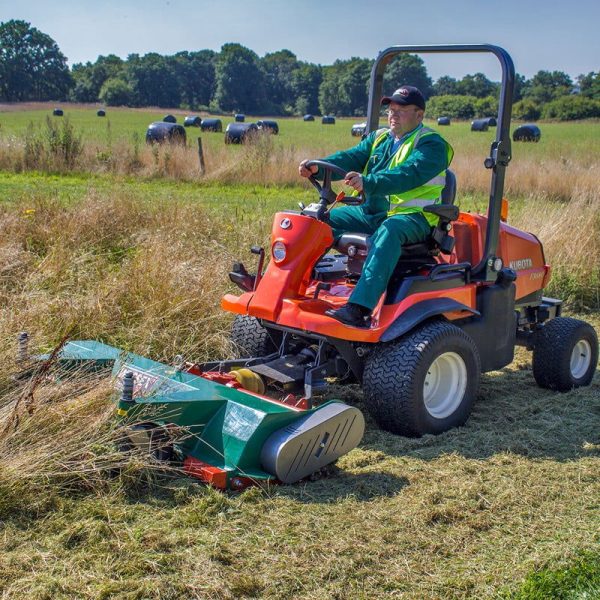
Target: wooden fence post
(201, 157)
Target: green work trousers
(388, 236)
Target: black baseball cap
(407, 94)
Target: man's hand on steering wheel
(308, 168)
(307, 172)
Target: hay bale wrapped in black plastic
(358, 129)
(215, 125)
(101, 112)
(192, 121)
(161, 132)
(328, 120)
(479, 125)
(443, 121)
(239, 133)
(170, 119)
(268, 126)
(58, 112)
(239, 118)
(308, 118)
(527, 133)
(491, 121)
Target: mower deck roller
(312, 442)
(224, 434)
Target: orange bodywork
(305, 240)
(519, 250)
(286, 293)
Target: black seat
(357, 245)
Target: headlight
(278, 251)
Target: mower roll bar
(500, 151)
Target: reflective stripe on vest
(429, 193)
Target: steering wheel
(326, 194)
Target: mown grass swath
(137, 257)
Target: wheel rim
(445, 384)
(581, 358)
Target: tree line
(236, 79)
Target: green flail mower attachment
(225, 435)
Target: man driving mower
(400, 170)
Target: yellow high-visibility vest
(430, 192)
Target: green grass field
(580, 140)
(504, 507)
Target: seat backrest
(449, 191)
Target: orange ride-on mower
(456, 306)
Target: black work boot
(351, 314)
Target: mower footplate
(285, 370)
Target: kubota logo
(521, 264)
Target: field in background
(552, 186)
(563, 166)
(506, 506)
(577, 141)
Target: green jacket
(428, 158)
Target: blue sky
(538, 34)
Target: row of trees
(237, 79)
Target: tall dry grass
(529, 177)
(570, 233)
(54, 438)
(58, 148)
(556, 195)
(117, 268)
(137, 274)
(556, 198)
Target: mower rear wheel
(425, 382)
(565, 354)
(251, 339)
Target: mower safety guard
(500, 151)
(225, 435)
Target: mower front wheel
(425, 382)
(565, 354)
(251, 339)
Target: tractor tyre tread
(553, 346)
(393, 380)
(251, 339)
